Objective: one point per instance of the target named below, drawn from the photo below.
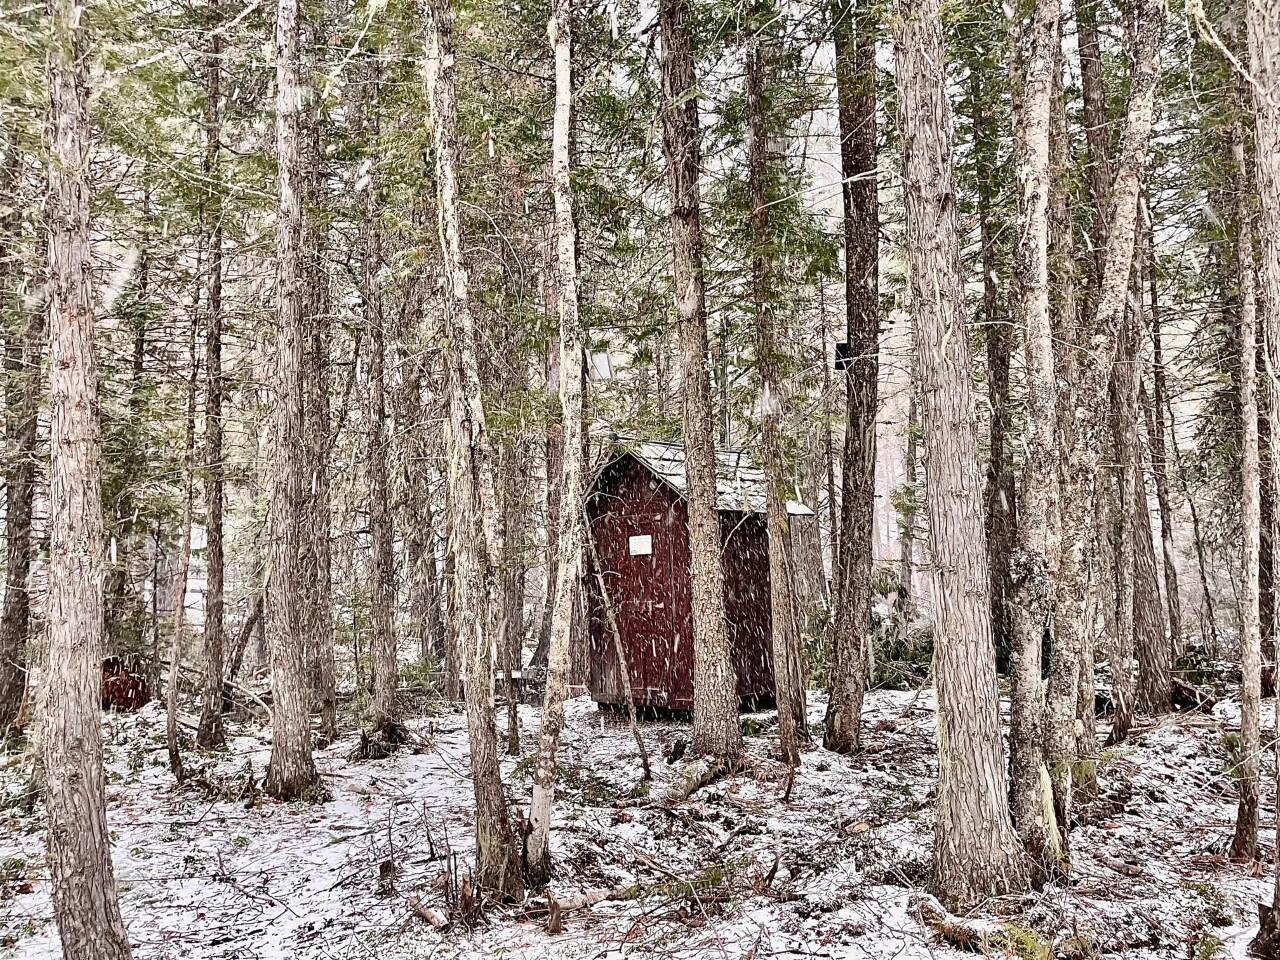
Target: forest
(694, 479)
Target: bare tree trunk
(1244, 842)
(511, 636)
(1000, 493)
(210, 733)
(854, 33)
(715, 701)
(1159, 458)
(1155, 651)
(1125, 444)
(906, 562)
(22, 354)
(976, 851)
(386, 674)
(1155, 657)
(476, 542)
(554, 446)
(317, 546)
(1071, 647)
(1266, 513)
(1037, 536)
(1263, 22)
(1096, 341)
(179, 603)
(569, 523)
(291, 773)
(788, 689)
(84, 889)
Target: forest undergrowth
(830, 864)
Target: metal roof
(740, 484)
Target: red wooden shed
(639, 520)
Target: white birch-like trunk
(1037, 535)
(569, 541)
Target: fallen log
(697, 778)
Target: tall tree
(715, 700)
(1244, 842)
(976, 851)
(84, 889)
(316, 548)
(386, 713)
(1000, 494)
(1037, 43)
(291, 773)
(1095, 339)
(476, 540)
(570, 520)
(787, 665)
(1155, 412)
(853, 32)
(1262, 19)
(24, 333)
(210, 733)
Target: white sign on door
(641, 546)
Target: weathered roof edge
(740, 484)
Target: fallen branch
(697, 778)
(967, 933)
(432, 915)
(553, 905)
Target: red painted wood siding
(650, 593)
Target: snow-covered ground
(737, 871)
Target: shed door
(642, 562)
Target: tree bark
(22, 356)
(569, 523)
(1034, 563)
(291, 772)
(476, 542)
(386, 674)
(316, 545)
(1000, 499)
(79, 855)
(179, 602)
(976, 851)
(716, 731)
(1155, 651)
(1159, 456)
(1244, 842)
(1096, 343)
(1071, 653)
(1262, 19)
(854, 35)
(210, 732)
(788, 682)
